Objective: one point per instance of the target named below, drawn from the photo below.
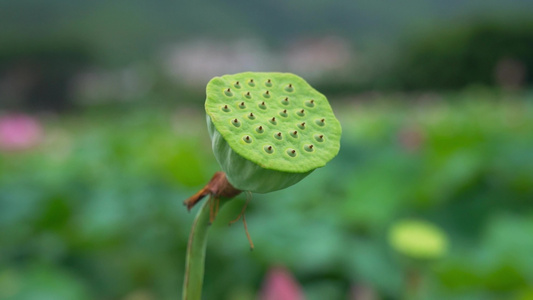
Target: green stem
(194, 264)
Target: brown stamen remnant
(225, 107)
(217, 187)
(235, 121)
(284, 111)
(267, 92)
(260, 127)
(295, 132)
(251, 115)
(242, 214)
(269, 148)
(273, 119)
(310, 146)
(293, 151)
(279, 133)
(322, 120)
(321, 136)
(247, 94)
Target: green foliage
(95, 211)
(464, 54)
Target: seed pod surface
(284, 151)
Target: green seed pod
(273, 132)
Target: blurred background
(103, 135)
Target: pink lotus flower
(280, 285)
(19, 132)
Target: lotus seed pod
(272, 131)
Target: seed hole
(242, 105)
(319, 137)
(247, 139)
(268, 83)
(237, 85)
(291, 152)
(301, 125)
(278, 136)
(283, 113)
(294, 134)
(262, 105)
(251, 116)
(320, 122)
(266, 94)
(301, 113)
(236, 123)
(251, 82)
(289, 88)
(226, 108)
(285, 101)
(260, 129)
(247, 95)
(228, 92)
(268, 149)
(310, 103)
(309, 148)
(273, 121)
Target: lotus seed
(289, 88)
(226, 108)
(236, 123)
(266, 94)
(262, 105)
(278, 136)
(291, 152)
(273, 121)
(283, 113)
(260, 129)
(268, 83)
(228, 92)
(247, 95)
(320, 122)
(319, 138)
(309, 148)
(237, 85)
(251, 82)
(310, 103)
(286, 101)
(301, 125)
(294, 134)
(268, 149)
(247, 139)
(251, 116)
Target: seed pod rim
(282, 85)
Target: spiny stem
(196, 248)
(194, 264)
(219, 191)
